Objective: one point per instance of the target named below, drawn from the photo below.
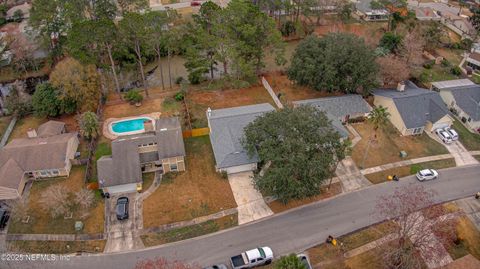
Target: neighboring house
(462, 96)
(160, 149)
(426, 14)
(339, 109)
(413, 109)
(473, 61)
(45, 153)
(365, 11)
(226, 131)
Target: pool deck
(106, 124)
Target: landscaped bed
(404, 171)
(388, 145)
(211, 226)
(277, 206)
(198, 191)
(470, 140)
(56, 247)
(41, 222)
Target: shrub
(428, 65)
(456, 71)
(133, 96)
(179, 80)
(288, 28)
(445, 63)
(179, 96)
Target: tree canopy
(302, 148)
(45, 101)
(336, 62)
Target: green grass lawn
(470, 140)
(211, 226)
(56, 247)
(404, 171)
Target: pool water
(126, 126)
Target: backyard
(4, 121)
(407, 170)
(389, 143)
(198, 191)
(41, 220)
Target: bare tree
(162, 263)
(421, 229)
(412, 48)
(392, 70)
(55, 200)
(84, 198)
(18, 208)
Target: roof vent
(401, 86)
(163, 129)
(42, 143)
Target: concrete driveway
(122, 234)
(458, 151)
(351, 178)
(251, 205)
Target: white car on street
(427, 174)
(453, 134)
(444, 136)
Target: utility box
(78, 225)
(403, 154)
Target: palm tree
(378, 117)
(289, 262)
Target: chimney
(401, 86)
(31, 133)
(209, 112)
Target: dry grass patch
(404, 171)
(24, 124)
(211, 226)
(56, 247)
(277, 206)
(41, 220)
(468, 240)
(198, 191)
(124, 109)
(388, 145)
(4, 122)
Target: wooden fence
(196, 132)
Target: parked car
(304, 259)
(444, 136)
(4, 217)
(252, 258)
(122, 208)
(195, 4)
(217, 266)
(452, 133)
(427, 174)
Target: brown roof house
(159, 149)
(45, 153)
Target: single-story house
(473, 61)
(413, 109)
(160, 149)
(226, 131)
(462, 97)
(367, 13)
(38, 156)
(339, 109)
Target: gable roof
(227, 129)
(51, 128)
(338, 107)
(11, 174)
(468, 99)
(124, 165)
(416, 106)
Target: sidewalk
(387, 166)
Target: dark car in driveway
(122, 208)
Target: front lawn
(56, 247)
(335, 189)
(469, 240)
(198, 191)
(211, 226)
(470, 140)
(404, 171)
(41, 222)
(388, 145)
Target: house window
(43, 173)
(55, 172)
(173, 167)
(417, 130)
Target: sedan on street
(427, 174)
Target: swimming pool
(130, 126)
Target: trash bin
(403, 154)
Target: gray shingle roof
(448, 84)
(416, 105)
(227, 129)
(124, 167)
(468, 99)
(51, 128)
(337, 107)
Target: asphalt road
(291, 231)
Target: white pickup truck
(252, 258)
